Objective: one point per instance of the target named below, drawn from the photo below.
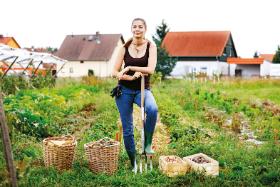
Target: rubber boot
(132, 157)
(148, 143)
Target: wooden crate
(211, 168)
(172, 166)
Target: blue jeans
(125, 107)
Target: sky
(254, 24)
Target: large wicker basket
(103, 155)
(59, 151)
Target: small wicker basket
(103, 155)
(59, 151)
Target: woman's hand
(137, 75)
(122, 73)
(127, 77)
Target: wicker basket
(59, 151)
(103, 155)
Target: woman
(139, 57)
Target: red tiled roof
(268, 57)
(232, 60)
(5, 40)
(196, 44)
(85, 47)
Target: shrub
(91, 80)
(10, 84)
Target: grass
(183, 113)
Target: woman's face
(138, 29)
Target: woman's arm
(117, 67)
(119, 62)
(152, 62)
(127, 77)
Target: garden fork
(144, 157)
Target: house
(10, 41)
(268, 68)
(267, 57)
(200, 51)
(89, 54)
(245, 67)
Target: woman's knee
(152, 110)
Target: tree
(51, 49)
(276, 58)
(165, 63)
(161, 31)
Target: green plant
(276, 58)
(165, 63)
(12, 83)
(156, 77)
(236, 123)
(91, 80)
(241, 163)
(42, 81)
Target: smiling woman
(139, 58)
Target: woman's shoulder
(151, 43)
(122, 50)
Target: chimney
(97, 37)
(97, 33)
(256, 54)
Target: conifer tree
(276, 58)
(165, 63)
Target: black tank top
(141, 62)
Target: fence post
(7, 144)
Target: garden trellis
(24, 62)
(18, 62)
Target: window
(203, 69)
(90, 72)
(81, 61)
(71, 70)
(193, 70)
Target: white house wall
(274, 70)
(265, 68)
(182, 68)
(270, 69)
(249, 70)
(78, 69)
(232, 69)
(223, 68)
